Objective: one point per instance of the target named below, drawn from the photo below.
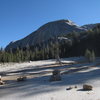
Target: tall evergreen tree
(88, 55)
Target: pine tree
(88, 55)
(93, 56)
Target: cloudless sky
(18, 18)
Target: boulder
(56, 72)
(0, 77)
(1, 82)
(21, 78)
(56, 76)
(75, 87)
(87, 87)
(69, 88)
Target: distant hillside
(46, 32)
(89, 26)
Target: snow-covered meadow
(38, 87)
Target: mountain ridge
(47, 31)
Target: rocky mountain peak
(47, 31)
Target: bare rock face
(87, 87)
(56, 76)
(46, 32)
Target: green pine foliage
(93, 56)
(90, 56)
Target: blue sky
(18, 18)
